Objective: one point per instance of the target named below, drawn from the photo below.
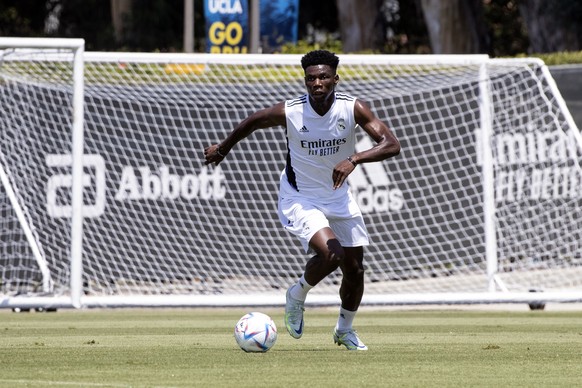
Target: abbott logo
(209, 184)
(59, 186)
(369, 185)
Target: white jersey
(317, 144)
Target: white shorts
(304, 217)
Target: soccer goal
(105, 199)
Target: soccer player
(315, 203)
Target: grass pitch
(194, 347)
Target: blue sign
(226, 26)
(279, 21)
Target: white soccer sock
(300, 289)
(345, 320)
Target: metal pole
(255, 25)
(488, 177)
(188, 26)
(77, 184)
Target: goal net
(482, 205)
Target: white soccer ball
(255, 332)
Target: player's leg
(329, 254)
(352, 287)
(351, 232)
(351, 292)
(304, 220)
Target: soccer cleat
(294, 315)
(349, 339)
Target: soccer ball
(255, 332)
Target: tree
(24, 17)
(155, 25)
(551, 25)
(120, 12)
(506, 28)
(87, 19)
(362, 25)
(456, 26)
(407, 32)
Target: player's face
(320, 81)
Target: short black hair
(320, 57)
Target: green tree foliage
(155, 25)
(569, 11)
(317, 18)
(87, 19)
(158, 26)
(552, 25)
(303, 46)
(24, 17)
(506, 28)
(408, 33)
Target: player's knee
(333, 258)
(355, 275)
(323, 262)
(353, 272)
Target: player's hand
(341, 172)
(213, 154)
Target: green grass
(559, 58)
(193, 347)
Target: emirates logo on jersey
(323, 147)
(323, 143)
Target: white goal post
(105, 199)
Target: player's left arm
(387, 145)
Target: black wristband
(219, 153)
(352, 161)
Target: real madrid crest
(341, 124)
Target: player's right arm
(264, 118)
